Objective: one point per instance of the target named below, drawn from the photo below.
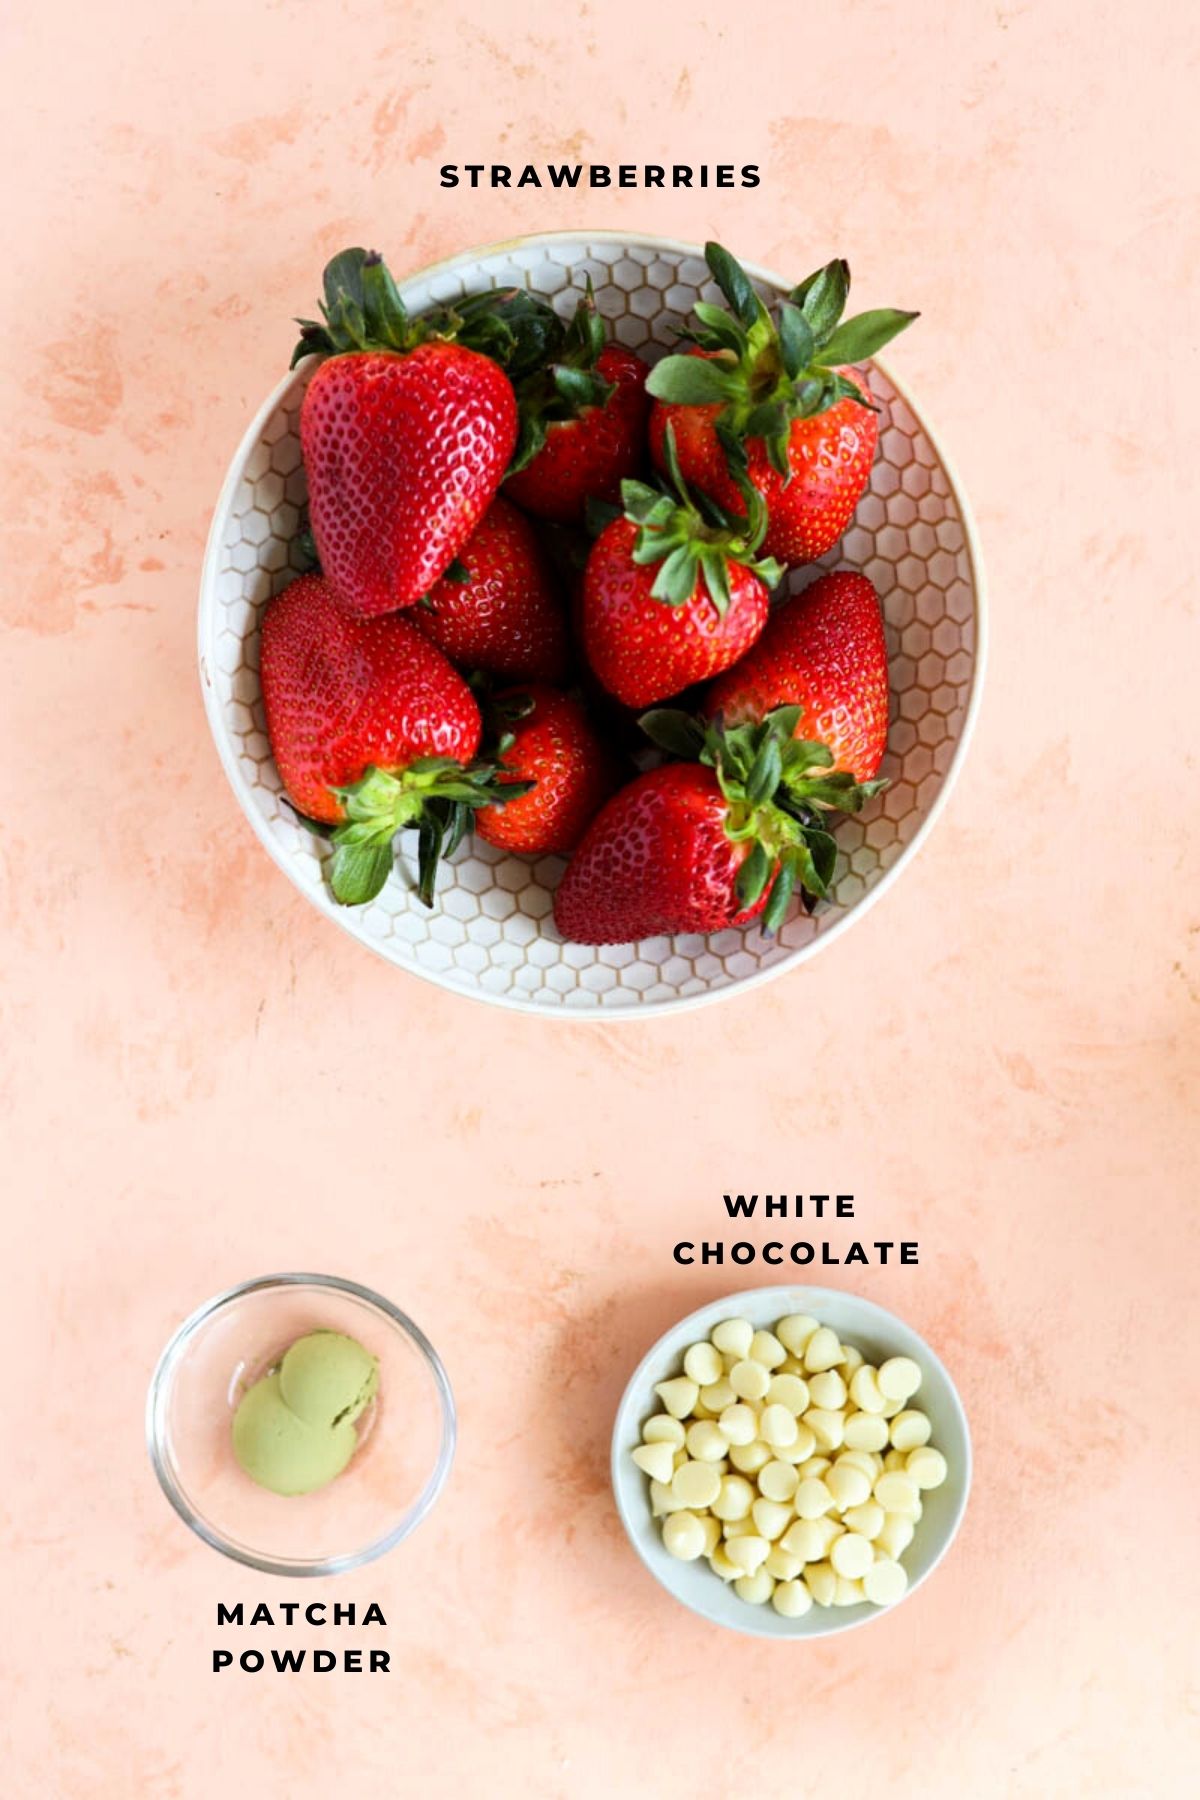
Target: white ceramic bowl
(491, 934)
(878, 1334)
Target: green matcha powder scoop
(293, 1431)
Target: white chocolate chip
(813, 1499)
(795, 1331)
(782, 1564)
(927, 1467)
(899, 1377)
(859, 1459)
(749, 1380)
(720, 1565)
(821, 1582)
(896, 1492)
(789, 1391)
(866, 1431)
(791, 1599)
(738, 1424)
(717, 1397)
(802, 1448)
(852, 1556)
(772, 1518)
(678, 1395)
(909, 1430)
(885, 1582)
(756, 1589)
(655, 1460)
(848, 1484)
(706, 1442)
(766, 1348)
(734, 1498)
(864, 1390)
(683, 1535)
(866, 1519)
(822, 1350)
(777, 1426)
(778, 1481)
(826, 1427)
(750, 1458)
(663, 1429)
(827, 1391)
(696, 1484)
(896, 1535)
(749, 1553)
(810, 1539)
(733, 1337)
(662, 1500)
(702, 1364)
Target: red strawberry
(698, 846)
(499, 611)
(551, 742)
(372, 730)
(825, 652)
(777, 403)
(657, 860)
(583, 423)
(671, 596)
(405, 439)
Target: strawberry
(583, 423)
(372, 730)
(672, 592)
(405, 437)
(700, 845)
(776, 403)
(496, 609)
(825, 652)
(551, 742)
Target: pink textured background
(201, 1081)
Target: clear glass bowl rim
(160, 1388)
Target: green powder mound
(326, 1377)
(293, 1431)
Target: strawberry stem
(691, 537)
(435, 795)
(780, 791)
(765, 373)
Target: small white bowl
(878, 1334)
(490, 933)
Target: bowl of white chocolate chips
(791, 1462)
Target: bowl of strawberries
(590, 624)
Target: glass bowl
(406, 1436)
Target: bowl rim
(519, 1003)
(159, 1391)
(811, 1299)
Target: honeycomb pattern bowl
(491, 934)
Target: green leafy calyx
(361, 309)
(565, 385)
(780, 791)
(690, 536)
(434, 795)
(765, 372)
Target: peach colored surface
(202, 1081)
